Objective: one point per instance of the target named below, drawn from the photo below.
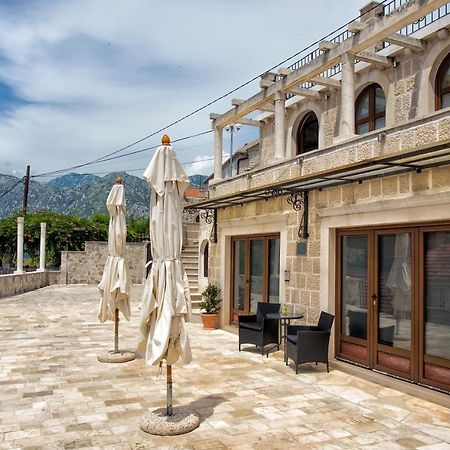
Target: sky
(81, 79)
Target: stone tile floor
(55, 395)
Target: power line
(108, 156)
(143, 168)
(98, 161)
(11, 188)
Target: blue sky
(83, 78)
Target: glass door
(392, 301)
(240, 278)
(434, 310)
(353, 314)
(255, 273)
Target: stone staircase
(189, 257)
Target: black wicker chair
(258, 330)
(309, 343)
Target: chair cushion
(251, 326)
(292, 338)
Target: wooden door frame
(376, 347)
(339, 336)
(422, 357)
(418, 357)
(265, 237)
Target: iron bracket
(299, 201)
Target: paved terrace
(54, 393)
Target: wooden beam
(252, 123)
(356, 26)
(284, 71)
(373, 58)
(374, 32)
(305, 93)
(326, 46)
(237, 101)
(328, 82)
(406, 41)
(267, 108)
(214, 116)
(267, 79)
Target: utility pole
(26, 186)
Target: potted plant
(210, 306)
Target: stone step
(193, 256)
(196, 317)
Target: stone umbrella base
(121, 356)
(182, 420)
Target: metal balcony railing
(344, 35)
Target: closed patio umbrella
(165, 303)
(115, 283)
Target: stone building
(348, 208)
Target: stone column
(19, 268)
(280, 114)
(347, 123)
(217, 152)
(42, 248)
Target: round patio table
(285, 319)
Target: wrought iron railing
(388, 8)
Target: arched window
(308, 134)
(205, 260)
(370, 109)
(443, 85)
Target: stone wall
(413, 134)
(13, 284)
(302, 293)
(87, 266)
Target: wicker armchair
(309, 343)
(258, 330)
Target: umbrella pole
(169, 390)
(116, 331)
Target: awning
(424, 157)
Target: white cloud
(203, 164)
(94, 75)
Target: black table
(285, 319)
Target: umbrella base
(121, 356)
(182, 420)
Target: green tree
(137, 228)
(64, 232)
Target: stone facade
(412, 122)
(13, 284)
(87, 266)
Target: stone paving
(56, 395)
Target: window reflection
(354, 286)
(437, 294)
(394, 290)
(370, 109)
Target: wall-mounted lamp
(381, 136)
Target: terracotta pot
(210, 321)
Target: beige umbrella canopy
(115, 283)
(166, 302)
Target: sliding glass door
(393, 301)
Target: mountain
(73, 193)
(73, 180)
(79, 194)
